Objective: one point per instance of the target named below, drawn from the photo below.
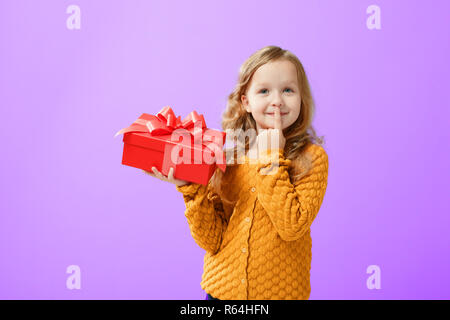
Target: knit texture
(260, 249)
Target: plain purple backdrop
(382, 103)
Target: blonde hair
(298, 135)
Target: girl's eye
(261, 91)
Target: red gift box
(154, 141)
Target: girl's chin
(271, 127)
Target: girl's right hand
(169, 178)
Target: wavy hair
(298, 135)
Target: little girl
(255, 224)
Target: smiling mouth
(281, 114)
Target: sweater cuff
(269, 152)
(189, 189)
(271, 157)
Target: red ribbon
(166, 122)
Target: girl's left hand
(267, 135)
(169, 177)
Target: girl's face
(274, 85)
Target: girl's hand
(267, 135)
(169, 178)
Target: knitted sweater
(260, 249)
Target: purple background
(382, 103)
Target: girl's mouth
(281, 114)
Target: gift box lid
(158, 142)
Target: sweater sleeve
(291, 208)
(205, 215)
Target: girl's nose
(276, 104)
(276, 101)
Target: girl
(254, 220)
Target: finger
(170, 175)
(162, 175)
(277, 119)
(157, 173)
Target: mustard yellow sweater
(260, 248)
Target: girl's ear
(245, 103)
